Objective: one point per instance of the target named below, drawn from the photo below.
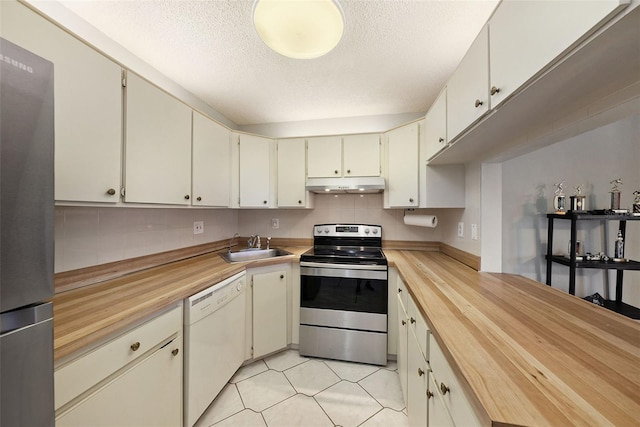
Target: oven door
(343, 287)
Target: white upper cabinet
(88, 107)
(468, 88)
(324, 157)
(256, 180)
(436, 126)
(157, 145)
(349, 155)
(525, 36)
(361, 155)
(401, 148)
(291, 174)
(211, 163)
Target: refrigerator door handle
(25, 316)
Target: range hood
(359, 185)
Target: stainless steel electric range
(344, 295)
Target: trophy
(636, 203)
(558, 199)
(615, 194)
(577, 201)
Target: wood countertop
(527, 354)
(88, 315)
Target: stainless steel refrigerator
(26, 238)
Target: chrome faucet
(235, 237)
(254, 242)
(268, 242)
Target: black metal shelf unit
(573, 263)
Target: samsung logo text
(19, 65)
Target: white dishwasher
(214, 321)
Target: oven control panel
(347, 230)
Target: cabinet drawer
(449, 389)
(81, 374)
(419, 328)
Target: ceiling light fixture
(300, 29)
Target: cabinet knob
(335, 172)
(199, 198)
(348, 170)
(441, 140)
(187, 197)
(264, 202)
(399, 290)
(429, 394)
(299, 202)
(494, 90)
(403, 322)
(135, 346)
(413, 320)
(444, 389)
(111, 191)
(420, 372)
(479, 103)
(175, 351)
(282, 276)
(411, 200)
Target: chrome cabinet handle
(135, 346)
(479, 103)
(175, 351)
(111, 191)
(494, 90)
(444, 389)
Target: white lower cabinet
(438, 413)
(447, 387)
(269, 312)
(417, 373)
(132, 380)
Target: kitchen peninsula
(524, 353)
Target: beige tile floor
(286, 389)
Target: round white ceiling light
(300, 29)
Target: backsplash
(87, 236)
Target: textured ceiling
(394, 56)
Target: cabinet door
(291, 173)
(417, 384)
(402, 166)
(150, 393)
(88, 106)
(324, 157)
(468, 88)
(403, 328)
(437, 413)
(211, 160)
(452, 394)
(436, 126)
(361, 155)
(255, 175)
(525, 36)
(269, 312)
(157, 145)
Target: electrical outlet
(198, 227)
(461, 229)
(474, 231)
(275, 223)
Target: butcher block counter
(526, 354)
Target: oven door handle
(349, 273)
(344, 266)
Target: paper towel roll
(430, 221)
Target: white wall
(86, 236)
(349, 208)
(593, 159)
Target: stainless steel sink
(253, 254)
